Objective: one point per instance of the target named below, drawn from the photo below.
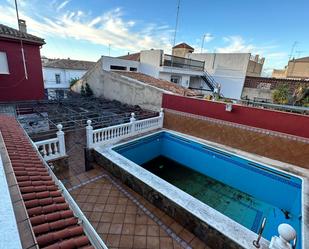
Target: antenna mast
(21, 44)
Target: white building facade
(58, 74)
(205, 72)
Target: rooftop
(14, 34)
(163, 84)
(68, 64)
(183, 45)
(131, 57)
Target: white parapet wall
(113, 134)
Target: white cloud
(62, 5)
(208, 37)
(236, 44)
(108, 28)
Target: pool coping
(228, 227)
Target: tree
(281, 94)
(73, 81)
(82, 91)
(88, 90)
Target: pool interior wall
(240, 189)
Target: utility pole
(203, 40)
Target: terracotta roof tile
(163, 84)
(69, 64)
(52, 221)
(10, 33)
(131, 57)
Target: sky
(88, 29)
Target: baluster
(44, 150)
(56, 148)
(49, 149)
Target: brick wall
(255, 82)
(269, 145)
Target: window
(58, 79)
(175, 79)
(112, 67)
(133, 69)
(4, 68)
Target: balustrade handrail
(115, 133)
(52, 148)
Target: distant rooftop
(14, 34)
(68, 64)
(131, 57)
(183, 45)
(163, 84)
(303, 59)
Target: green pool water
(233, 203)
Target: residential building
(199, 71)
(20, 64)
(121, 80)
(58, 74)
(296, 69)
(260, 89)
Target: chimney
(22, 25)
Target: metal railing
(53, 148)
(113, 134)
(181, 62)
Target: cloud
(236, 44)
(62, 5)
(109, 28)
(208, 37)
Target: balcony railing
(181, 62)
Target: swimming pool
(242, 190)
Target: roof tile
(52, 221)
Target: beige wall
(252, 93)
(279, 73)
(254, 68)
(298, 69)
(181, 52)
(113, 86)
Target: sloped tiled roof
(69, 64)
(163, 84)
(53, 222)
(183, 45)
(131, 57)
(10, 33)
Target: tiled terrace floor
(122, 218)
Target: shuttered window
(4, 68)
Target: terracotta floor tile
(103, 227)
(109, 208)
(128, 229)
(129, 218)
(140, 230)
(126, 241)
(139, 242)
(120, 209)
(113, 240)
(197, 244)
(186, 235)
(166, 243)
(153, 242)
(176, 227)
(95, 216)
(153, 230)
(118, 218)
(115, 229)
(106, 217)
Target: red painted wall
(14, 86)
(289, 123)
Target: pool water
(236, 187)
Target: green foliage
(73, 81)
(82, 91)
(88, 90)
(281, 94)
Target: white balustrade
(286, 234)
(112, 134)
(52, 148)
